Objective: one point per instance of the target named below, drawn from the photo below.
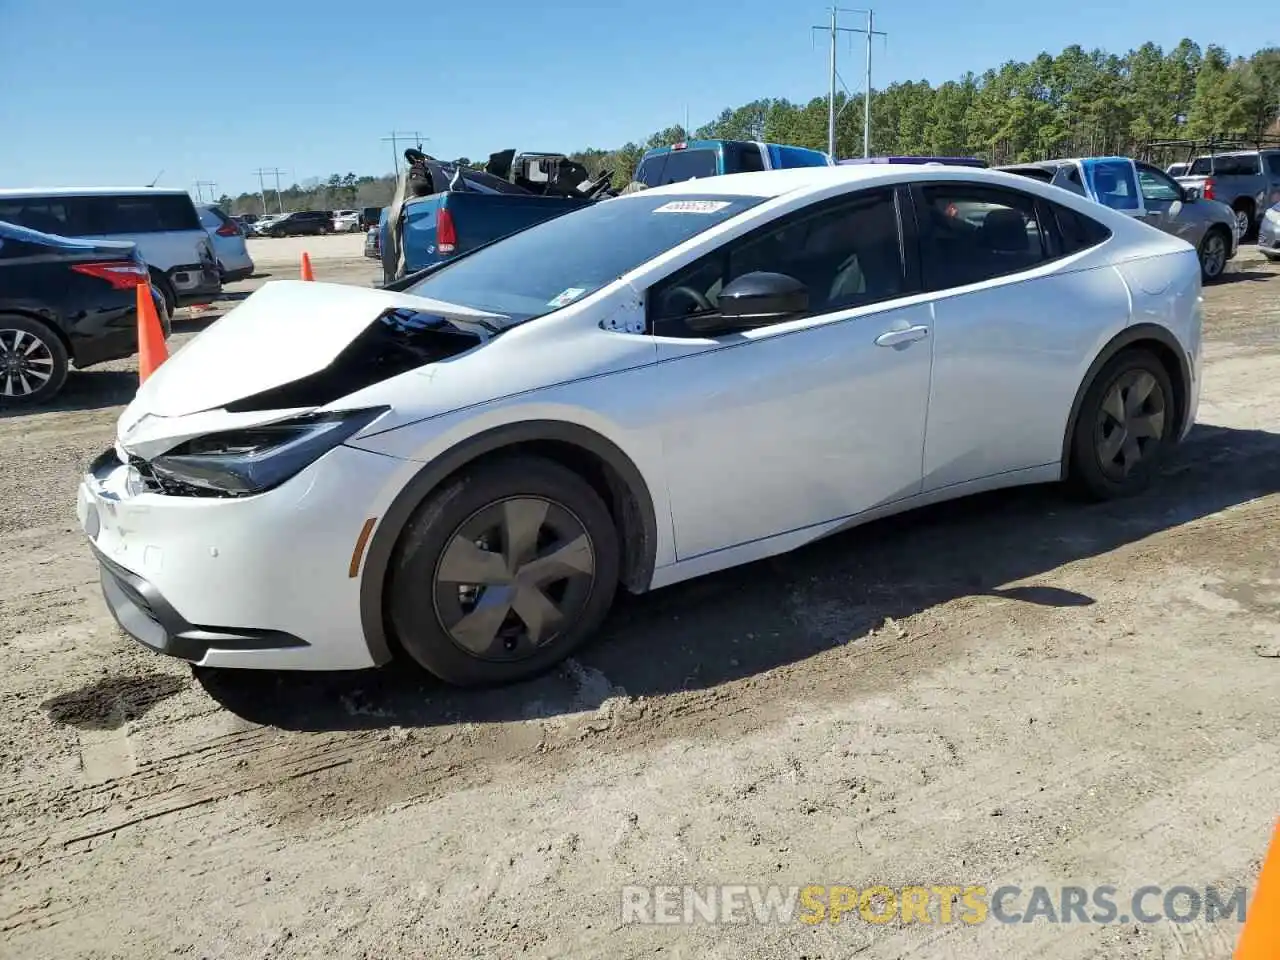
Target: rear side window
(970, 234)
(1273, 164)
(154, 213)
(676, 166)
(1077, 232)
(1201, 167)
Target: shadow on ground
(743, 622)
(1244, 276)
(85, 390)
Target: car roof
(23, 192)
(775, 183)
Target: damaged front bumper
(269, 581)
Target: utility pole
(833, 30)
(262, 189)
(213, 193)
(394, 138)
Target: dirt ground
(1011, 689)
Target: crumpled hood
(286, 330)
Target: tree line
(1078, 103)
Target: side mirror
(1190, 193)
(759, 298)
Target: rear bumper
(239, 273)
(195, 282)
(113, 336)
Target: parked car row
(307, 222)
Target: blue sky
(94, 93)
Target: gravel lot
(1011, 689)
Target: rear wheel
(1125, 426)
(1244, 220)
(503, 572)
(33, 361)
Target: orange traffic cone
(306, 267)
(151, 346)
(1260, 939)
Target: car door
(1165, 208)
(1013, 325)
(808, 420)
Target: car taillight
(121, 274)
(1207, 190)
(227, 230)
(446, 235)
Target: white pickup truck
(1151, 195)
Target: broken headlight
(236, 463)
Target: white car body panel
(749, 444)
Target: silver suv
(162, 223)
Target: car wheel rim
(26, 363)
(1242, 222)
(513, 577)
(1215, 255)
(1131, 423)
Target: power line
(395, 137)
(262, 189)
(834, 29)
(212, 185)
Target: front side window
(676, 166)
(970, 234)
(1273, 164)
(558, 261)
(847, 254)
(1157, 187)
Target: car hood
(285, 331)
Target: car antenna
(157, 179)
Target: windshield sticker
(570, 295)
(693, 206)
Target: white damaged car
(464, 469)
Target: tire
(30, 350)
(433, 612)
(1213, 250)
(1094, 435)
(161, 283)
(1244, 220)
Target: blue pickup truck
(457, 210)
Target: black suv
(307, 223)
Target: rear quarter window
(1076, 231)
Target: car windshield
(553, 263)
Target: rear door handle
(895, 337)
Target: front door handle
(895, 337)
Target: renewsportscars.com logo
(940, 904)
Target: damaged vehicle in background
(463, 468)
(442, 210)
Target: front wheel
(1124, 428)
(1244, 222)
(503, 572)
(1213, 254)
(33, 361)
